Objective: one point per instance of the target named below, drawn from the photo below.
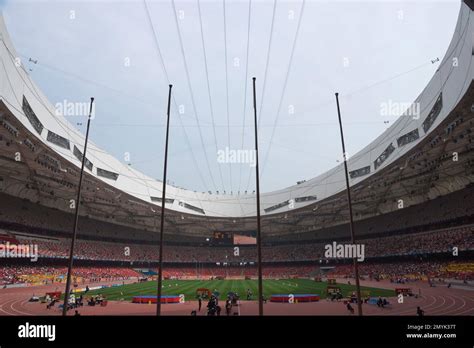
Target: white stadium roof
(444, 91)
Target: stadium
(401, 244)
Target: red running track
(434, 301)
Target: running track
(434, 301)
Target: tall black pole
(259, 239)
(76, 216)
(356, 267)
(163, 200)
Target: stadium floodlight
(344, 156)
(259, 240)
(165, 167)
(76, 216)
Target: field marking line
(434, 309)
(4, 304)
(424, 299)
(8, 303)
(16, 310)
(467, 310)
(444, 309)
(457, 308)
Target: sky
(126, 53)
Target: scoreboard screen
(230, 238)
(245, 239)
(222, 238)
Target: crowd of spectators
(406, 244)
(52, 274)
(22, 215)
(396, 272)
(408, 271)
(273, 272)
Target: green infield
(270, 287)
